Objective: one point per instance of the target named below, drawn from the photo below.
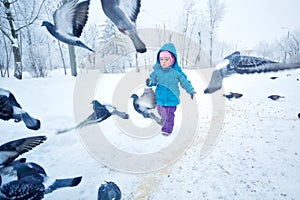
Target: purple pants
(167, 115)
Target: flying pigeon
(275, 97)
(145, 103)
(30, 183)
(69, 21)
(123, 13)
(109, 191)
(13, 149)
(11, 109)
(101, 113)
(236, 63)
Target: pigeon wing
(250, 64)
(147, 99)
(101, 112)
(131, 8)
(64, 17)
(6, 109)
(22, 145)
(79, 21)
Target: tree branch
(34, 19)
(6, 34)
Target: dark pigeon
(109, 191)
(101, 113)
(30, 183)
(13, 149)
(275, 97)
(228, 96)
(123, 14)
(11, 109)
(238, 64)
(237, 95)
(69, 21)
(145, 103)
(233, 95)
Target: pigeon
(13, 149)
(145, 103)
(239, 64)
(101, 113)
(237, 95)
(123, 13)
(11, 109)
(274, 77)
(109, 191)
(233, 95)
(299, 115)
(275, 97)
(69, 21)
(30, 183)
(228, 96)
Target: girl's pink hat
(167, 54)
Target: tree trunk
(137, 62)
(14, 41)
(62, 57)
(72, 60)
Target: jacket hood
(171, 48)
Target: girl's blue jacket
(167, 79)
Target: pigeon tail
(137, 42)
(155, 118)
(30, 122)
(123, 115)
(80, 44)
(61, 183)
(92, 119)
(215, 82)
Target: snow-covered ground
(256, 154)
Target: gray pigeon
(11, 109)
(69, 21)
(275, 97)
(145, 103)
(238, 64)
(109, 191)
(30, 183)
(123, 13)
(101, 113)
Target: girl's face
(165, 61)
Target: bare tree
(188, 12)
(12, 32)
(294, 47)
(4, 60)
(113, 44)
(215, 13)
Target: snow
(255, 155)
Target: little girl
(166, 76)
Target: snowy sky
(245, 22)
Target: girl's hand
(192, 95)
(148, 82)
